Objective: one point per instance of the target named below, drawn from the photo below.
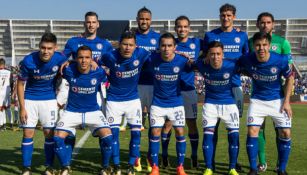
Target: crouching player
(219, 104)
(82, 108)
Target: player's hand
(286, 108)
(2, 108)
(94, 65)
(23, 116)
(66, 64)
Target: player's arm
(287, 93)
(21, 99)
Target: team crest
(152, 121)
(273, 70)
(250, 119)
(110, 119)
(136, 63)
(255, 76)
(93, 81)
(153, 41)
(158, 77)
(205, 122)
(118, 74)
(99, 46)
(176, 69)
(74, 89)
(60, 124)
(274, 48)
(226, 75)
(192, 46)
(237, 39)
(55, 68)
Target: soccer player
(125, 64)
(37, 101)
(235, 45)
(5, 91)
(167, 101)
(190, 47)
(268, 98)
(265, 23)
(219, 104)
(82, 108)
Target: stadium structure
(20, 37)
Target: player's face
(227, 18)
(262, 49)
(46, 50)
(182, 28)
(144, 21)
(91, 25)
(266, 24)
(167, 48)
(84, 59)
(127, 47)
(216, 55)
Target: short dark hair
(2, 61)
(213, 44)
(167, 35)
(267, 14)
(262, 35)
(48, 37)
(127, 35)
(228, 7)
(182, 17)
(90, 13)
(142, 10)
(84, 47)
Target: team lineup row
(160, 83)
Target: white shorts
(229, 114)
(259, 109)
(146, 95)
(190, 104)
(158, 115)
(5, 99)
(43, 110)
(238, 94)
(70, 120)
(130, 109)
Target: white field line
(81, 142)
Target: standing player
(83, 109)
(125, 65)
(37, 99)
(167, 101)
(190, 47)
(268, 98)
(5, 91)
(235, 45)
(265, 23)
(219, 104)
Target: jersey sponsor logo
(237, 39)
(153, 41)
(99, 46)
(273, 70)
(36, 71)
(136, 63)
(266, 78)
(127, 74)
(55, 68)
(226, 75)
(93, 81)
(176, 69)
(192, 46)
(118, 74)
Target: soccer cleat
(282, 173)
(66, 170)
(262, 167)
(238, 167)
(208, 171)
(180, 170)
(233, 172)
(49, 171)
(130, 170)
(155, 170)
(165, 162)
(137, 164)
(117, 170)
(194, 163)
(105, 171)
(252, 172)
(149, 168)
(26, 171)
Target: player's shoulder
(279, 57)
(30, 58)
(180, 58)
(74, 39)
(154, 34)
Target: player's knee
(28, 133)
(192, 126)
(179, 131)
(59, 142)
(156, 131)
(285, 133)
(253, 131)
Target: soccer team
(153, 75)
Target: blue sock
(27, 150)
(252, 150)
(165, 138)
(106, 149)
(284, 148)
(115, 152)
(61, 150)
(208, 148)
(233, 148)
(215, 139)
(134, 146)
(149, 136)
(49, 151)
(181, 146)
(154, 149)
(194, 138)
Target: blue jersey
(192, 48)
(99, 46)
(82, 96)
(124, 74)
(167, 92)
(218, 84)
(266, 76)
(235, 45)
(40, 76)
(150, 42)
